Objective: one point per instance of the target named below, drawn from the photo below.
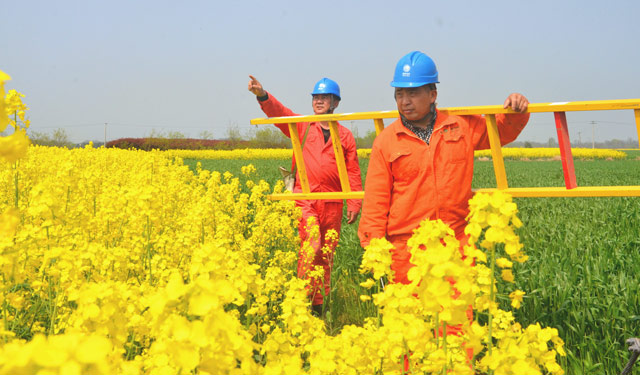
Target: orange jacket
(320, 160)
(409, 181)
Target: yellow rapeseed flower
(516, 298)
(377, 258)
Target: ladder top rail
(594, 105)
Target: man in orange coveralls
(421, 165)
(322, 172)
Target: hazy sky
(167, 66)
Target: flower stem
(444, 347)
(15, 184)
(492, 296)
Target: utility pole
(593, 134)
(580, 138)
(105, 136)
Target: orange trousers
(328, 216)
(400, 264)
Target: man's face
(414, 103)
(323, 103)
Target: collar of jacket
(442, 120)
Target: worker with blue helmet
(322, 173)
(421, 165)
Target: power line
(65, 126)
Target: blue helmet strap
(331, 105)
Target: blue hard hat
(326, 86)
(415, 69)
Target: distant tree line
(552, 142)
(264, 137)
(58, 138)
(149, 144)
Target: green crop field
(583, 274)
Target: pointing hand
(256, 87)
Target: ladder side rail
(525, 192)
(318, 195)
(580, 106)
(562, 192)
(596, 105)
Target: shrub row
(177, 144)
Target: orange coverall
(322, 173)
(409, 180)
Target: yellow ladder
(571, 188)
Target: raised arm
(270, 105)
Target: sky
(155, 67)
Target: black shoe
(316, 310)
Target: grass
(583, 274)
